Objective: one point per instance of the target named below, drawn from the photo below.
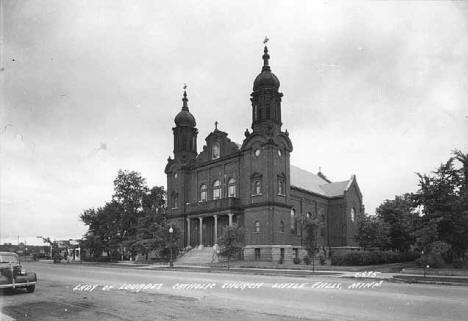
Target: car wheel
(31, 288)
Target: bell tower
(185, 134)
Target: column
(230, 219)
(201, 231)
(188, 231)
(215, 229)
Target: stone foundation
(269, 253)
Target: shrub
(296, 260)
(432, 259)
(458, 264)
(307, 260)
(372, 257)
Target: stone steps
(196, 256)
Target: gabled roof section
(316, 184)
(226, 146)
(335, 189)
(306, 180)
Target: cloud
(376, 89)
(101, 147)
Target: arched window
(215, 151)
(353, 214)
(203, 193)
(175, 200)
(257, 226)
(216, 190)
(258, 187)
(232, 187)
(280, 185)
(282, 227)
(293, 221)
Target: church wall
(285, 237)
(260, 214)
(245, 190)
(221, 170)
(281, 166)
(336, 222)
(317, 206)
(353, 200)
(258, 166)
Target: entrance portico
(204, 230)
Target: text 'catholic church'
(254, 185)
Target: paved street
(82, 292)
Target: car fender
(31, 276)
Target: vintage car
(13, 275)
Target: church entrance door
(208, 231)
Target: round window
(257, 152)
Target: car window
(6, 258)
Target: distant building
(254, 185)
(69, 249)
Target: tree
(311, 228)
(398, 216)
(231, 241)
(149, 231)
(154, 200)
(373, 232)
(442, 197)
(104, 234)
(132, 220)
(150, 235)
(130, 191)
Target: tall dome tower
(266, 99)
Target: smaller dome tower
(184, 117)
(185, 134)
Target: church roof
(316, 184)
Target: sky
(377, 89)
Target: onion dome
(266, 79)
(184, 117)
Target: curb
(422, 280)
(294, 273)
(4, 317)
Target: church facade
(254, 185)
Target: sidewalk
(222, 269)
(407, 275)
(432, 279)
(4, 317)
(385, 276)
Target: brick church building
(254, 185)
